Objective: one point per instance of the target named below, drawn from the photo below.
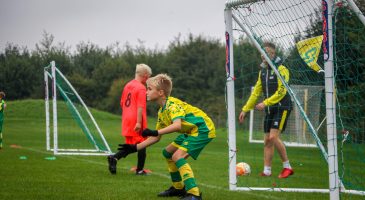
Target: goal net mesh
(296, 28)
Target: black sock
(120, 154)
(141, 159)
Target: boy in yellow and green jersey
(2, 108)
(196, 131)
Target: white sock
(267, 170)
(286, 164)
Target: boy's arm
(174, 127)
(139, 122)
(141, 105)
(131, 148)
(255, 94)
(148, 142)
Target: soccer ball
(243, 169)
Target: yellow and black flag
(309, 50)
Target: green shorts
(193, 145)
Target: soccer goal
(73, 129)
(322, 44)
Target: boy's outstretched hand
(147, 132)
(127, 149)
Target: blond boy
(195, 130)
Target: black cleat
(172, 192)
(112, 164)
(191, 197)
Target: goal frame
(53, 132)
(335, 185)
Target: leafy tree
(197, 69)
(88, 57)
(46, 51)
(17, 74)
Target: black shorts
(276, 119)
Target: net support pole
(46, 104)
(328, 8)
(87, 110)
(230, 100)
(54, 103)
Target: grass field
(26, 173)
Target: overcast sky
(104, 22)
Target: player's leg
(279, 126)
(268, 155)
(279, 145)
(113, 159)
(283, 116)
(268, 146)
(177, 188)
(186, 172)
(191, 146)
(112, 164)
(141, 159)
(141, 156)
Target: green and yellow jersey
(193, 120)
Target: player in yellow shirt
(196, 131)
(277, 105)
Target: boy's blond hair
(2, 94)
(142, 69)
(161, 82)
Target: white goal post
(76, 112)
(235, 21)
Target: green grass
(87, 177)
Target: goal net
(322, 45)
(70, 127)
(297, 133)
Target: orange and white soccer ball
(243, 169)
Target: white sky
(105, 22)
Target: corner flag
(309, 50)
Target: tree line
(196, 65)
